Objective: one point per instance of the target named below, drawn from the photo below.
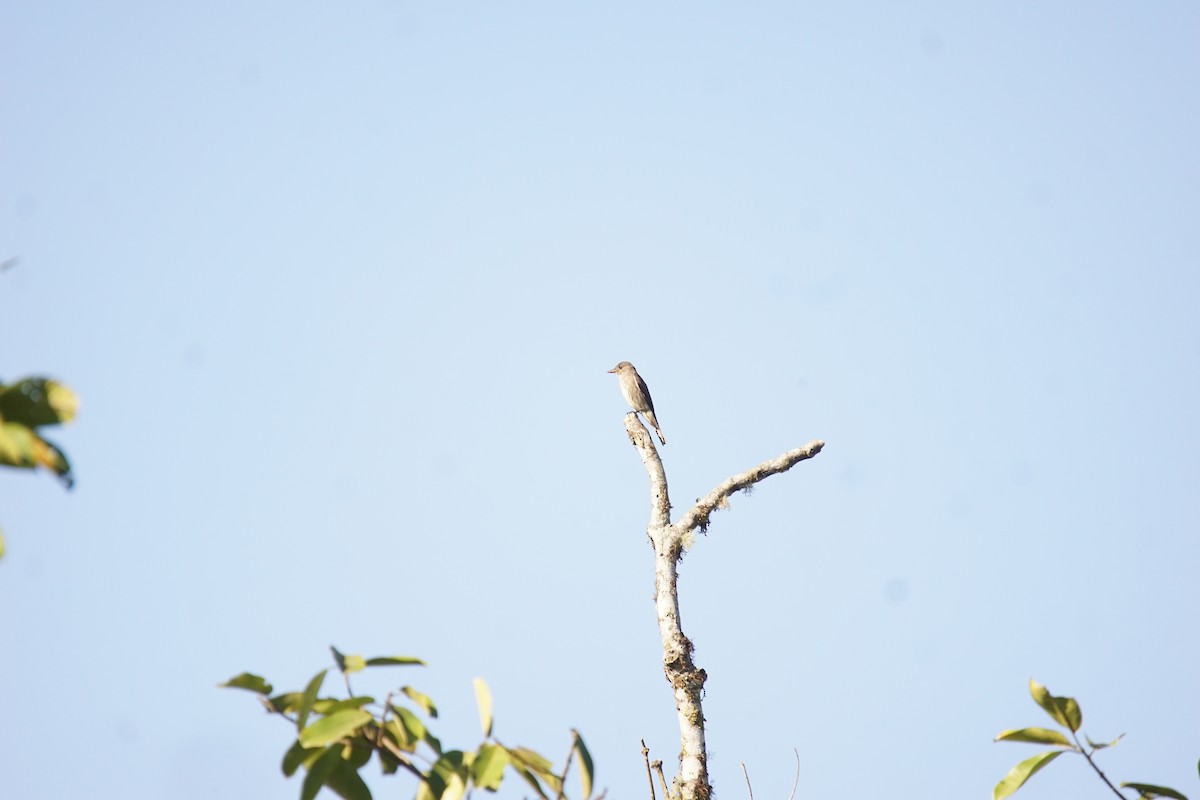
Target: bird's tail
(654, 422)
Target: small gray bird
(637, 395)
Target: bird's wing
(645, 392)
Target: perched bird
(637, 395)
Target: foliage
(25, 407)
(336, 738)
(1067, 715)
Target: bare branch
(660, 503)
(686, 679)
(562, 781)
(698, 515)
(649, 777)
(657, 764)
(796, 782)
(749, 788)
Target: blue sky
(339, 285)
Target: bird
(637, 395)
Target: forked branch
(686, 679)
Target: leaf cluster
(25, 407)
(337, 737)
(1068, 716)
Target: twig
(657, 764)
(387, 706)
(649, 776)
(562, 782)
(402, 757)
(749, 788)
(797, 781)
(1103, 777)
(699, 514)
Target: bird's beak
(614, 369)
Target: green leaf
(358, 752)
(1, 543)
(483, 699)
(446, 779)
(348, 664)
(430, 788)
(1063, 710)
(1036, 736)
(319, 771)
(49, 455)
(394, 661)
(487, 770)
(529, 778)
(538, 764)
(532, 759)
(330, 706)
(248, 681)
(347, 783)
(334, 727)
(400, 735)
(308, 698)
(1071, 712)
(297, 756)
(415, 729)
(283, 703)
(16, 445)
(450, 766)
(1150, 790)
(456, 788)
(421, 699)
(35, 402)
(1022, 772)
(587, 770)
(1102, 745)
(21, 447)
